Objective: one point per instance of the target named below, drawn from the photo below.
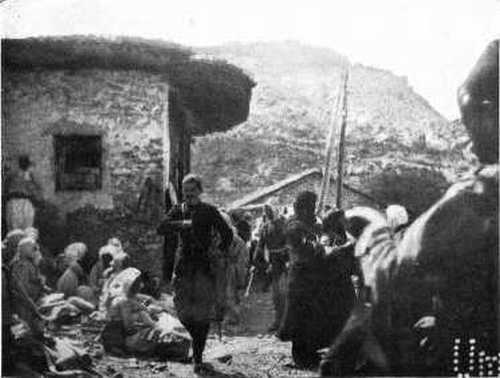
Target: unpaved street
(246, 350)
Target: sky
(433, 42)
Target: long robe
(302, 309)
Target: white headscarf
(28, 249)
(396, 216)
(115, 242)
(123, 281)
(75, 252)
(15, 233)
(32, 232)
(108, 250)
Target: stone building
(108, 123)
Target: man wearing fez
(195, 274)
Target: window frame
(61, 153)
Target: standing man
(195, 273)
(21, 190)
(272, 245)
(303, 301)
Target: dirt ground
(245, 350)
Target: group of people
(210, 268)
(315, 277)
(39, 289)
(308, 262)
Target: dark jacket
(199, 287)
(195, 241)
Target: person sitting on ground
(29, 285)
(17, 306)
(96, 277)
(131, 328)
(11, 241)
(25, 268)
(73, 281)
(120, 261)
(110, 288)
(47, 266)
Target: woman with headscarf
(21, 286)
(25, 267)
(131, 327)
(111, 287)
(10, 245)
(48, 264)
(28, 284)
(74, 276)
(96, 277)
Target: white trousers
(20, 214)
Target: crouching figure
(132, 328)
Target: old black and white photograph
(250, 189)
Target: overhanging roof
(215, 92)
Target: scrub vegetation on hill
(389, 125)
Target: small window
(78, 162)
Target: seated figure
(132, 328)
(96, 277)
(111, 287)
(25, 268)
(10, 243)
(73, 282)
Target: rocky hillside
(388, 123)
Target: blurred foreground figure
(478, 102)
(439, 282)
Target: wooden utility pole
(335, 121)
(165, 144)
(340, 151)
